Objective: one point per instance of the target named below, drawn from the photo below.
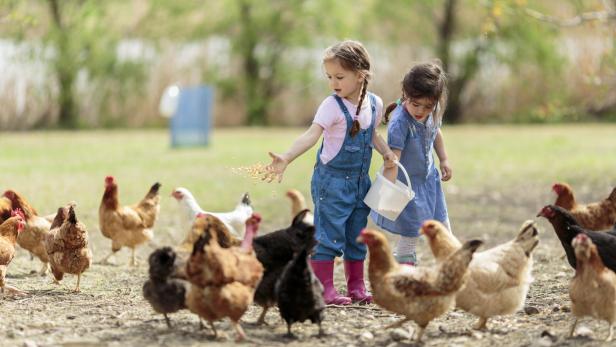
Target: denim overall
(338, 189)
(416, 140)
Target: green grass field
(51, 168)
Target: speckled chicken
(419, 293)
(67, 246)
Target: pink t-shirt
(331, 118)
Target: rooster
(594, 216)
(9, 231)
(67, 245)
(234, 220)
(419, 293)
(127, 226)
(499, 278)
(35, 232)
(593, 288)
(223, 280)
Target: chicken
(275, 250)
(234, 220)
(164, 293)
(9, 231)
(223, 280)
(593, 288)
(567, 228)
(35, 233)
(204, 222)
(499, 277)
(594, 216)
(419, 293)
(127, 226)
(67, 246)
(299, 293)
(6, 207)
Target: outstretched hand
(275, 169)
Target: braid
(355, 128)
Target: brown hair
(427, 80)
(352, 56)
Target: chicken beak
(360, 239)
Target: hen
(35, 232)
(499, 277)
(275, 250)
(206, 222)
(567, 228)
(593, 288)
(235, 220)
(9, 231)
(164, 293)
(223, 280)
(419, 293)
(67, 245)
(594, 216)
(127, 226)
(299, 293)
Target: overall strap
(346, 112)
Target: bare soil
(110, 309)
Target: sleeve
(379, 109)
(397, 133)
(326, 113)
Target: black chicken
(274, 251)
(165, 294)
(299, 293)
(567, 228)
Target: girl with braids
(347, 119)
(413, 132)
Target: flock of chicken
(222, 266)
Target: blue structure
(190, 125)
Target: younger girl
(347, 119)
(413, 131)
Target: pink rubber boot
(324, 270)
(354, 271)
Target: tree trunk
(65, 72)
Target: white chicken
(234, 220)
(499, 278)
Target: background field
(502, 176)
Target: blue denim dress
(338, 189)
(416, 140)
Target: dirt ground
(111, 311)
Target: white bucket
(389, 199)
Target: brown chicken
(499, 278)
(593, 288)
(127, 226)
(419, 293)
(298, 202)
(206, 222)
(35, 232)
(67, 246)
(9, 231)
(594, 216)
(223, 280)
(6, 207)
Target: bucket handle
(406, 175)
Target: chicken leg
(167, 320)
(397, 324)
(77, 290)
(261, 319)
(11, 290)
(44, 269)
(240, 332)
(573, 328)
(481, 324)
(133, 262)
(104, 260)
(609, 336)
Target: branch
(600, 16)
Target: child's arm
(439, 146)
(381, 146)
(302, 144)
(392, 172)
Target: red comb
(109, 179)
(256, 217)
